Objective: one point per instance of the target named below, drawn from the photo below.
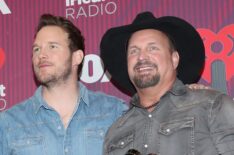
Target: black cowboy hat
(187, 41)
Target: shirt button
(66, 150)
(146, 146)
(101, 134)
(59, 127)
(150, 115)
(122, 143)
(168, 130)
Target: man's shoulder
(102, 103)
(201, 97)
(209, 94)
(18, 110)
(98, 96)
(22, 105)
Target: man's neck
(62, 98)
(152, 95)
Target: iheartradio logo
(2, 57)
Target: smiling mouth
(144, 68)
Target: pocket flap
(167, 128)
(27, 141)
(96, 132)
(122, 142)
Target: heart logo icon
(2, 57)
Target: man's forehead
(51, 31)
(51, 34)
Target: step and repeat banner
(213, 19)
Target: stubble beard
(59, 76)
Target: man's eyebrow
(152, 43)
(34, 45)
(132, 46)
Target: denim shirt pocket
(28, 146)
(95, 133)
(94, 138)
(121, 144)
(177, 136)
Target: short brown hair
(74, 34)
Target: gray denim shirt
(184, 122)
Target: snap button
(122, 143)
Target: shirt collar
(84, 94)
(178, 88)
(39, 102)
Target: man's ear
(175, 59)
(77, 57)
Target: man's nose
(43, 53)
(143, 55)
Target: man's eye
(152, 48)
(36, 49)
(132, 51)
(52, 46)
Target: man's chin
(146, 81)
(43, 81)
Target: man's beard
(146, 80)
(56, 78)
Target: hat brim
(188, 43)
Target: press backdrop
(213, 19)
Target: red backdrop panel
(214, 20)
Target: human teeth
(144, 68)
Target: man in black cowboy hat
(154, 58)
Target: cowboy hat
(187, 41)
